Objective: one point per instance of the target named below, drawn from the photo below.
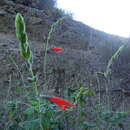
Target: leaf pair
(22, 36)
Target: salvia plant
(38, 106)
(44, 112)
(112, 59)
(52, 30)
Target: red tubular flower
(58, 50)
(63, 104)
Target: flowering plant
(58, 50)
(62, 103)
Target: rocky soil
(86, 51)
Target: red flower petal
(63, 104)
(59, 50)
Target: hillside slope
(86, 51)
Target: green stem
(34, 84)
(53, 26)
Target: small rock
(4, 44)
(2, 12)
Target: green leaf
(23, 54)
(34, 103)
(87, 124)
(89, 93)
(28, 53)
(30, 125)
(32, 79)
(23, 38)
(20, 25)
(29, 111)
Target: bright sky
(111, 16)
